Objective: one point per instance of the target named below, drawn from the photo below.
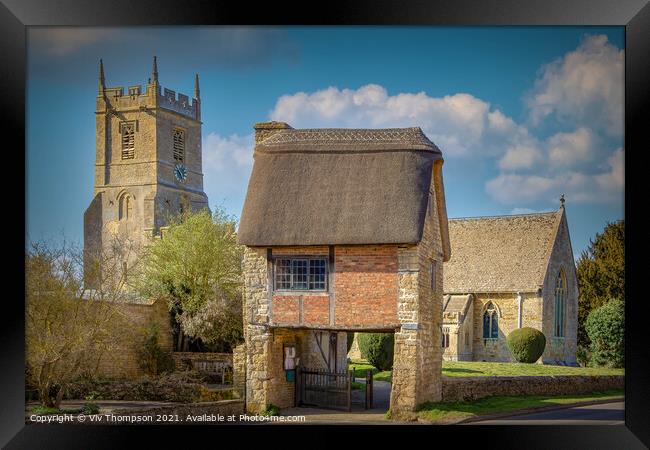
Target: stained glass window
(490, 323)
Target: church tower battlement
(148, 161)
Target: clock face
(180, 172)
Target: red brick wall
(286, 309)
(365, 288)
(316, 310)
(366, 285)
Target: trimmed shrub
(378, 349)
(350, 336)
(606, 330)
(526, 344)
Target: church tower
(148, 162)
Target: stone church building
(345, 230)
(148, 164)
(148, 167)
(508, 272)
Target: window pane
(317, 273)
(486, 325)
(282, 274)
(495, 326)
(299, 274)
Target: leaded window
(301, 274)
(560, 301)
(490, 323)
(179, 145)
(127, 130)
(445, 337)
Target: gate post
(297, 387)
(369, 389)
(350, 380)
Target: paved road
(600, 414)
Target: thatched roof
(500, 254)
(338, 186)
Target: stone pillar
(258, 364)
(417, 364)
(257, 334)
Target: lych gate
(345, 230)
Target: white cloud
(614, 179)
(608, 185)
(520, 157)
(518, 211)
(569, 149)
(583, 87)
(459, 124)
(227, 164)
(513, 188)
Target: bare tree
(68, 326)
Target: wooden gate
(324, 389)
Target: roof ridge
(504, 216)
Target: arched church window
(490, 322)
(126, 207)
(445, 337)
(560, 303)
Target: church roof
(456, 303)
(500, 254)
(339, 186)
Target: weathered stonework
(417, 364)
(384, 274)
(134, 197)
(457, 389)
(523, 293)
(122, 361)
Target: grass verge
(456, 411)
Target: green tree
(601, 274)
(606, 329)
(377, 348)
(196, 266)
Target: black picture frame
(16, 15)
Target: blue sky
(522, 114)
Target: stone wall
(187, 360)
(455, 389)
(122, 360)
(417, 365)
(239, 366)
(561, 350)
(508, 313)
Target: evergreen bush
(378, 349)
(526, 344)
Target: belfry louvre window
(301, 274)
(127, 129)
(179, 144)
